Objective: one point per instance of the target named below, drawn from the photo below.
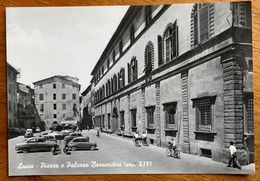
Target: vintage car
(28, 133)
(35, 144)
(81, 143)
(71, 136)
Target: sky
(47, 41)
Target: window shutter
(136, 69)
(129, 72)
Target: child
(233, 159)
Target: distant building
(12, 95)
(57, 99)
(86, 108)
(180, 71)
(27, 113)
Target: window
(41, 107)
(133, 118)
(200, 26)
(121, 47)
(41, 97)
(132, 34)
(54, 96)
(54, 115)
(250, 65)
(160, 50)
(122, 119)
(103, 91)
(54, 86)
(102, 70)
(132, 70)
(148, 14)
(63, 106)
(64, 115)
(108, 87)
(74, 96)
(171, 42)
(54, 106)
(148, 58)
(103, 121)
(114, 56)
(121, 78)
(63, 86)
(40, 86)
(108, 63)
(249, 114)
(114, 83)
(170, 112)
(204, 116)
(108, 121)
(150, 117)
(63, 96)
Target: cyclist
(172, 145)
(136, 139)
(144, 139)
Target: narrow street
(115, 155)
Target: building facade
(27, 114)
(57, 99)
(86, 108)
(12, 95)
(183, 72)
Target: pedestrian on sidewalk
(136, 139)
(233, 156)
(98, 132)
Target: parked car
(37, 130)
(35, 144)
(49, 138)
(71, 136)
(81, 143)
(28, 133)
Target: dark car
(80, 143)
(35, 144)
(71, 136)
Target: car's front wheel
(73, 148)
(92, 148)
(49, 148)
(26, 150)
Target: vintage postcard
(156, 89)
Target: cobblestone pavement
(115, 155)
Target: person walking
(233, 156)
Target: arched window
(108, 87)
(171, 41)
(111, 86)
(149, 52)
(132, 70)
(132, 34)
(160, 50)
(121, 78)
(103, 92)
(115, 83)
(202, 22)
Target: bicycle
(171, 152)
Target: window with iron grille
(249, 114)
(204, 117)
(133, 118)
(170, 114)
(108, 121)
(122, 118)
(150, 116)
